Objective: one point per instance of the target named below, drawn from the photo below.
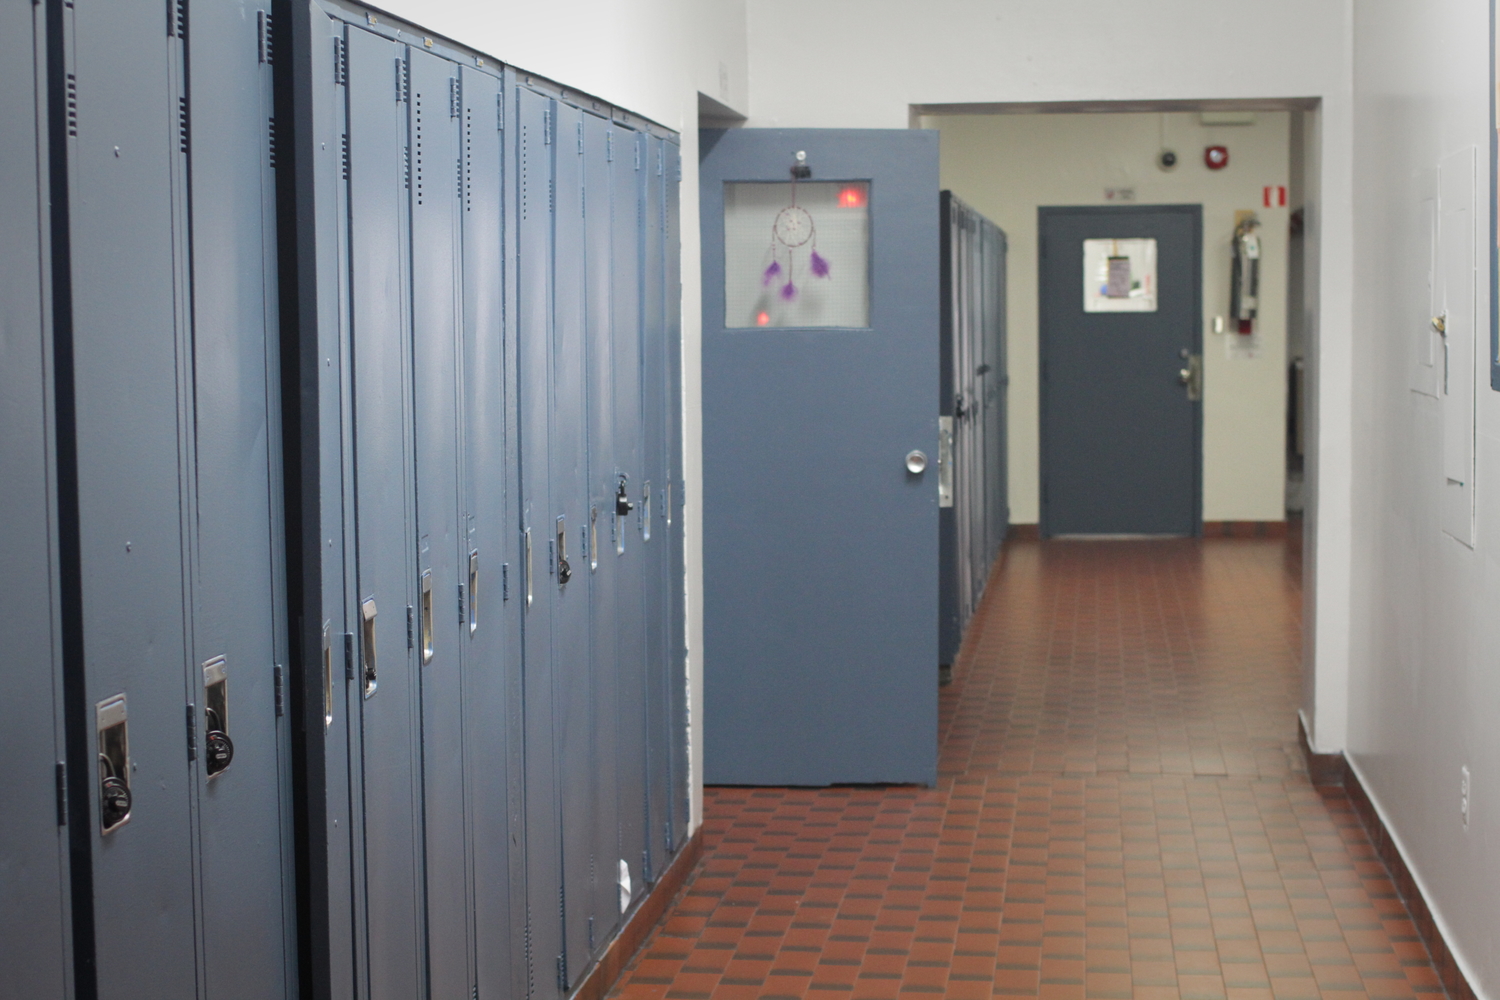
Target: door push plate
(218, 747)
(114, 763)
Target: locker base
(606, 972)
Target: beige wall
(1008, 165)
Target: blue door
(820, 435)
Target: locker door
(567, 462)
(654, 505)
(603, 571)
(239, 634)
(534, 336)
(385, 517)
(492, 665)
(676, 572)
(126, 335)
(33, 871)
(630, 608)
(434, 110)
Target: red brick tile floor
(1122, 814)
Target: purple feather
(771, 273)
(789, 291)
(819, 265)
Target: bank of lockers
(974, 512)
(343, 510)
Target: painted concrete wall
(1425, 663)
(1006, 166)
(652, 57)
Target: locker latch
(114, 763)
(218, 747)
(564, 570)
(623, 506)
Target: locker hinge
(176, 18)
(182, 123)
(562, 973)
(403, 80)
(271, 139)
(348, 656)
(72, 105)
(580, 138)
(192, 731)
(455, 97)
(263, 32)
(500, 112)
(340, 63)
(280, 682)
(62, 797)
(411, 627)
(504, 582)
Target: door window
(797, 254)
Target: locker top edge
(378, 21)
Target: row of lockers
(343, 510)
(974, 513)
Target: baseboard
(1332, 770)
(1244, 529)
(600, 979)
(1023, 532)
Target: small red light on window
(762, 319)
(852, 197)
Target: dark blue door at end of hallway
(1120, 307)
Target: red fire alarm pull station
(1216, 157)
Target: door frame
(1044, 212)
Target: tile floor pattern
(1121, 814)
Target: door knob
(916, 462)
(1185, 376)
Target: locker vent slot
(192, 732)
(403, 79)
(340, 63)
(417, 142)
(271, 137)
(466, 168)
(72, 106)
(455, 97)
(263, 23)
(345, 140)
(182, 124)
(177, 18)
(280, 682)
(62, 794)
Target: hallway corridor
(1122, 812)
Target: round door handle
(1185, 376)
(916, 461)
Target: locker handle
(473, 591)
(564, 569)
(327, 675)
(646, 511)
(593, 539)
(114, 763)
(527, 538)
(427, 638)
(367, 612)
(218, 747)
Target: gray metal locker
(536, 141)
(629, 149)
(238, 590)
(567, 457)
(676, 575)
(392, 918)
(127, 330)
(434, 109)
(492, 676)
(654, 507)
(34, 884)
(604, 571)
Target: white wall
(1426, 632)
(651, 57)
(1008, 165)
(865, 63)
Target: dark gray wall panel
(33, 872)
(492, 669)
(628, 149)
(436, 269)
(603, 566)
(385, 518)
(130, 379)
(536, 142)
(237, 580)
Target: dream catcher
(793, 232)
